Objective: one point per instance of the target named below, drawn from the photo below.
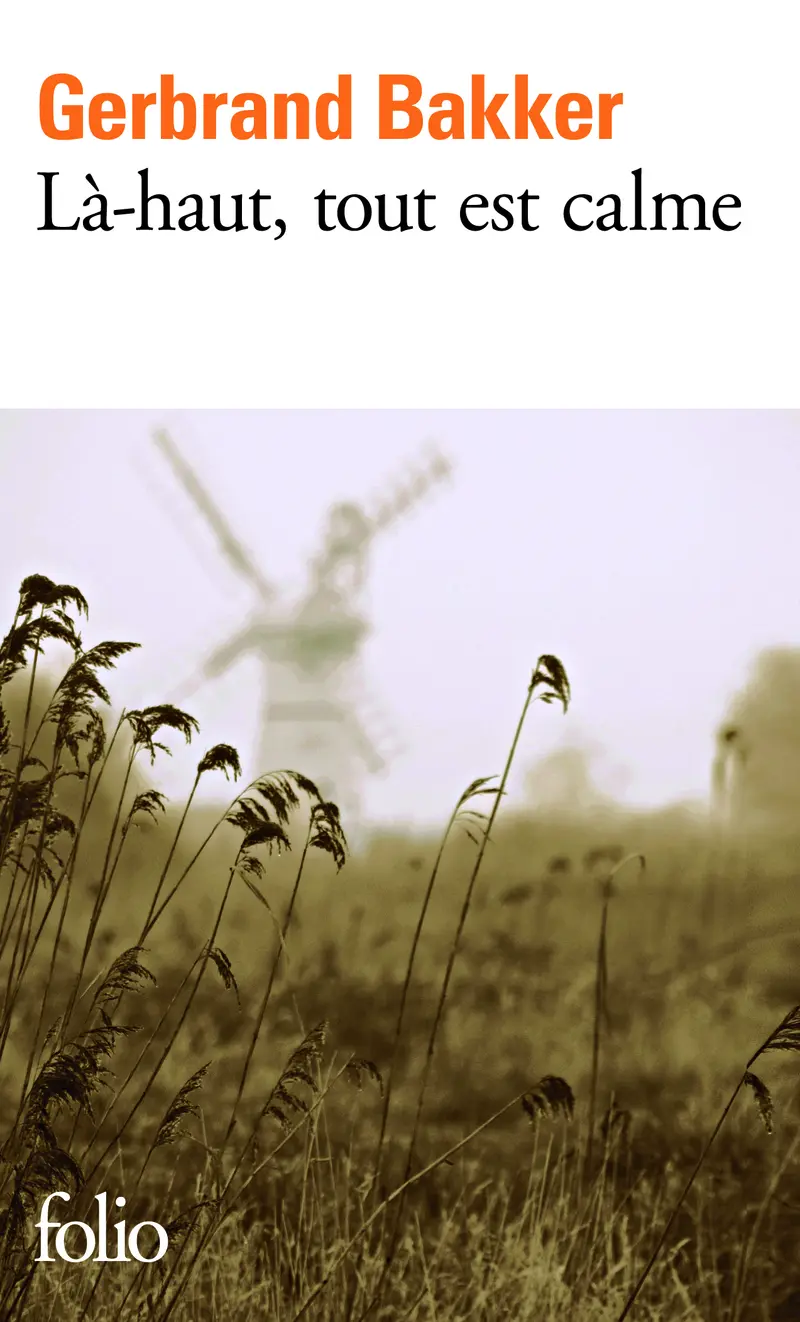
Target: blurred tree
(563, 781)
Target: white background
(444, 319)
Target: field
(472, 1076)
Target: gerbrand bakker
(404, 110)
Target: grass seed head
(39, 590)
(80, 685)
(358, 1069)
(69, 1078)
(148, 722)
(222, 757)
(126, 974)
(299, 1069)
(551, 677)
(49, 1167)
(327, 833)
(179, 1109)
(223, 966)
(27, 639)
(551, 1097)
(787, 1035)
(150, 802)
(270, 834)
(763, 1098)
(181, 1227)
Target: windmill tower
(313, 716)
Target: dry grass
(442, 1079)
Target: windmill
(313, 718)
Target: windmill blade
(229, 544)
(221, 659)
(374, 733)
(411, 490)
(351, 528)
(374, 761)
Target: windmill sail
(229, 544)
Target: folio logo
(99, 1241)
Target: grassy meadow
(472, 1076)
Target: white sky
(654, 552)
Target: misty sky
(653, 552)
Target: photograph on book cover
(398, 843)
